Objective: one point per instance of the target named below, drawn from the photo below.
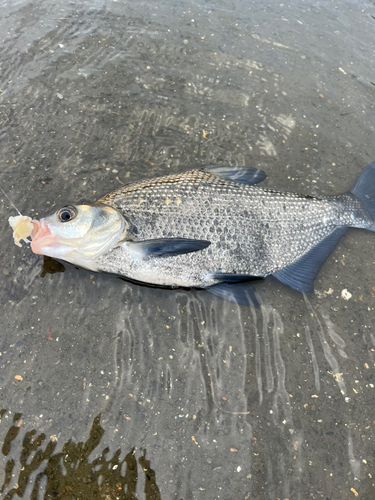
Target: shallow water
(112, 390)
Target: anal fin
(232, 278)
(301, 274)
(240, 293)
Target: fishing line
(10, 201)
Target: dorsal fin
(243, 175)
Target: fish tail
(364, 189)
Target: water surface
(112, 390)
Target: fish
(213, 227)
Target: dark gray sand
(112, 390)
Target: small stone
(345, 294)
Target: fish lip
(39, 235)
(37, 225)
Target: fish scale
(249, 227)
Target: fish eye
(66, 214)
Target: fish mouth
(41, 237)
(44, 242)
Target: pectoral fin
(166, 247)
(301, 274)
(243, 175)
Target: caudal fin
(364, 189)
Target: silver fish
(208, 228)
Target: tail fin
(364, 189)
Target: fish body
(252, 230)
(214, 227)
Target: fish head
(78, 234)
